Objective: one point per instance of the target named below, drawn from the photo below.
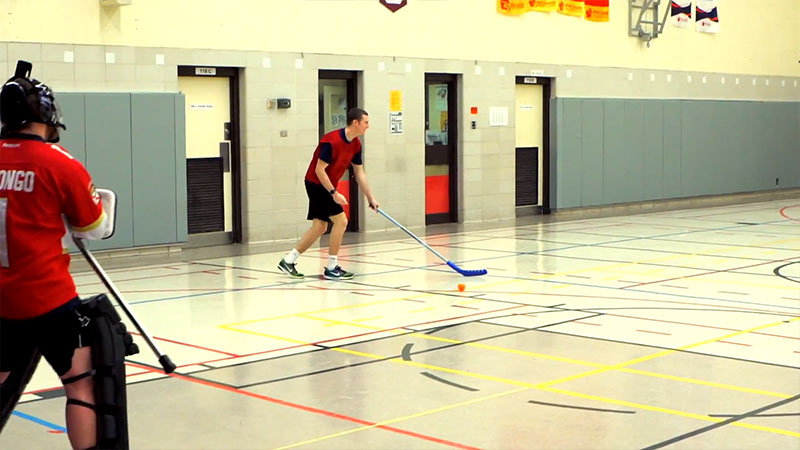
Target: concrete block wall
(274, 197)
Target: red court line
(318, 411)
(190, 345)
(58, 388)
(710, 272)
(327, 341)
(588, 323)
(147, 278)
(655, 332)
(697, 325)
(735, 343)
(784, 214)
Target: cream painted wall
(759, 37)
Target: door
(441, 119)
(532, 162)
(212, 157)
(337, 94)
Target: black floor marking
(406, 353)
(438, 329)
(747, 223)
(757, 415)
(555, 306)
(450, 383)
(777, 272)
(721, 424)
(585, 408)
(364, 363)
(55, 393)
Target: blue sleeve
(326, 152)
(357, 160)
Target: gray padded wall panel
(653, 150)
(74, 137)
(108, 158)
(615, 152)
(556, 119)
(570, 170)
(180, 168)
(660, 149)
(673, 151)
(592, 152)
(153, 164)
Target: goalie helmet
(24, 100)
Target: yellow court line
(662, 353)
(654, 260)
(546, 385)
(562, 359)
(669, 411)
(358, 305)
(400, 419)
(705, 383)
(365, 319)
(526, 385)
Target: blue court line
(40, 421)
(435, 268)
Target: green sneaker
(337, 274)
(289, 269)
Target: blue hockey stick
(465, 272)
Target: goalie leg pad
(13, 387)
(110, 341)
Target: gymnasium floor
(674, 329)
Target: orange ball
(461, 287)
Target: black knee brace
(110, 342)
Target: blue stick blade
(466, 272)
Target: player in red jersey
(46, 196)
(336, 151)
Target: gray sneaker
(337, 274)
(289, 269)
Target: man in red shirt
(336, 151)
(41, 188)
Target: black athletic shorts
(56, 334)
(320, 203)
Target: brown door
(441, 119)
(337, 94)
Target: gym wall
(599, 73)
(134, 145)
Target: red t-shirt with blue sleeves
(338, 152)
(41, 186)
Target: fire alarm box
(284, 103)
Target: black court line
(584, 408)
(450, 383)
(710, 355)
(721, 424)
(364, 363)
(758, 415)
(438, 329)
(777, 271)
(517, 330)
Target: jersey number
(3, 233)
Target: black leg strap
(72, 401)
(78, 377)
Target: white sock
(292, 256)
(333, 261)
